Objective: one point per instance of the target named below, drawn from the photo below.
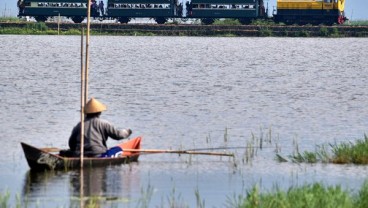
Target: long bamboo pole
(153, 151)
(87, 49)
(82, 101)
(85, 77)
(179, 152)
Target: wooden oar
(179, 152)
(55, 149)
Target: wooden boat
(40, 159)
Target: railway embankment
(197, 30)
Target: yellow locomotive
(310, 12)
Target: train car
(310, 12)
(209, 10)
(160, 10)
(41, 10)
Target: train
(207, 11)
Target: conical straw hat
(94, 106)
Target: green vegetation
(5, 200)
(265, 32)
(264, 22)
(312, 196)
(257, 28)
(11, 19)
(357, 23)
(29, 29)
(226, 22)
(351, 153)
(344, 153)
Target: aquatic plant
(312, 196)
(4, 199)
(175, 200)
(349, 152)
(146, 196)
(343, 153)
(200, 202)
(226, 135)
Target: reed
(4, 199)
(226, 135)
(351, 153)
(343, 153)
(200, 202)
(146, 196)
(312, 196)
(175, 200)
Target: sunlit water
(183, 93)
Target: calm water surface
(183, 93)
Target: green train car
(209, 10)
(310, 12)
(41, 10)
(160, 10)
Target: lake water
(183, 93)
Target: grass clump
(357, 23)
(343, 153)
(265, 22)
(227, 21)
(351, 153)
(312, 196)
(265, 32)
(11, 19)
(4, 199)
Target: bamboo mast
(81, 179)
(82, 101)
(84, 91)
(87, 50)
(84, 80)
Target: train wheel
(124, 20)
(160, 20)
(77, 19)
(207, 21)
(40, 18)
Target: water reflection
(100, 186)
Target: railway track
(210, 30)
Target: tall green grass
(351, 153)
(11, 19)
(342, 153)
(314, 195)
(227, 22)
(357, 23)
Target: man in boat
(96, 133)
